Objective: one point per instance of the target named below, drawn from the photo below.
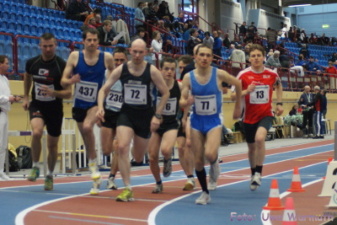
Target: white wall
(311, 18)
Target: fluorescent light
(299, 5)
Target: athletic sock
(159, 182)
(259, 169)
(202, 179)
(112, 175)
(253, 170)
(190, 176)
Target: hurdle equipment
(274, 201)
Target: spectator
(156, 45)
(193, 41)
(217, 45)
(331, 69)
(313, 67)
(306, 102)
(208, 40)
(304, 51)
(150, 13)
(297, 68)
(140, 34)
(271, 37)
(318, 114)
(107, 34)
(226, 42)
(238, 57)
(164, 11)
(294, 110)
(333, 57)
(274, 60)
(291, 34)
(93, 15)
(283, 32)
(242, 31)
(303, 36)
(251, 31)
(270, 53)
(77, 10)
(139, 15)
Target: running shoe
(255, 182)
(111, 184)
(34, 174)
(125, 196)
(214, 173)
(203, 199)
(95, 187)
(167, 167)
(189, 185)
(158, 189)
(48, 183)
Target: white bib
(170, 107)
(40, 95)
(205, 105)
(135, 94)
(86, 91)
(260, 95)
(114, 99)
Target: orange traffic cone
(274, 201)
(289, 215)
(296, 185)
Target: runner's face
(181, 66)
(256, 58)
(119, 58)
(138, 53)
(91, 42)
(48, 48)
(168, 70)
(204, 57)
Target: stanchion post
(7, 161)
(73, 158)
(335, 145)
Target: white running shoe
(4, 176)
(203, 199)
(255, 182)
(214, 173)
(189, 185)
(111, 184)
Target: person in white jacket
(156, 45)
(5, 101)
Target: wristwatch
(158, 116)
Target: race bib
(260, 95)
(86, 91)
(114, 99)
(135, 94)
(205, 105)
(42, 96)
(170, 108)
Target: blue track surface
(226, 200)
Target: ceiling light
(300, 5)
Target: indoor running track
(232, 202)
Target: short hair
(91, 31)
(202, 46)
(2, 58)
(207, 33)
(140, 29)
(186, 59)
(154, 34)
(258, 47)
(140, 3)
(317, 87)
(120, 50)
(277, 52)
(168, 60)
(47, 36)
(192, 31)
(107, 22)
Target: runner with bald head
(137, 117)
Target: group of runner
(134, 102)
